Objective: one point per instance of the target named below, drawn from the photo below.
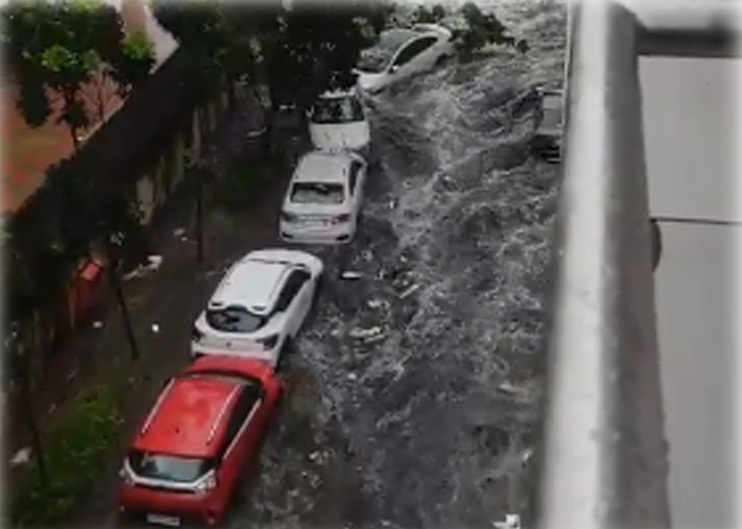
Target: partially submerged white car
(324, 198)
(401, 53)
(260, 304)
(337, 121)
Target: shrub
(77, 449)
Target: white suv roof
(323, 167)
(251, 283)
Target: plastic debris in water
(154, 262)
(155, 328)
(512, 521)
(97, 324)
(21, 457)
(409, 291)
(350, 275)
(375, 303)
(364, 333)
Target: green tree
(431, 15)
(57, 49)
(482, 30)
(300, 51)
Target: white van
(337, 121)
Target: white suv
(337, 121)
(324, 198)
(260, 303)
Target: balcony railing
(604, 458)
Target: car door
(234, 446)
(411, 59)
(302, 302)
(294, 300)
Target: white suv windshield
(317, 193)
(168, 468)
(233, 318)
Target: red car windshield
(167, 467)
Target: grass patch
(77, 450)
(245, 182)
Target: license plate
(170, 521)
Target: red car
(205, 428)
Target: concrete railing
(603, 462)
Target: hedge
(76, 452)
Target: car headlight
(268, 342)
(207, 484)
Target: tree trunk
(115, 282)
(199, 216)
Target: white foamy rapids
(418, 382)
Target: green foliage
(59, 46)
(431, 15)
(68, 214)
(77, 449)
(301, 51)
(132, 65)
(202, 31)
(483, 30)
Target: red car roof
(191, 410)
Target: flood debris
(21, 457)
(512, 521)
(154, 262)
(365, 333)
(350, 275)
(409, 291)
(519, 392)
(97, 324)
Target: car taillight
(207, 484)
(341, 218)
(196, 335)
(268, 342)
(288, 217)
